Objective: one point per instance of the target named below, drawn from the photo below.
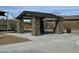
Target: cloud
(51, 9)
(63, 10)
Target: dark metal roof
(2, 13)
(34, 14)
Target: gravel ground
(48, 43)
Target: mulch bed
(7, 39)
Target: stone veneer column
(36, 26)
(56, 24)
(20, 28)
(59, 28)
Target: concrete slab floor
(48, 43)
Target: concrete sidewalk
(48, 43)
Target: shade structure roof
(71, 18)
(36, 14)
(65, 18)
(2, 13)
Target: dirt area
(8, 39)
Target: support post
(58, 26)
(20, 28)
(7, 22)
(36, 26)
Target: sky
(14, 11)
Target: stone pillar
(36, 26)
(45, 25)
(20, 28)
(58, 26)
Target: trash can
(68, 30)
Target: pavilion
(37, 21)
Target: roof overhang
(28, 14)
(70, 18)
(2, 13)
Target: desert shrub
(12, 25)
